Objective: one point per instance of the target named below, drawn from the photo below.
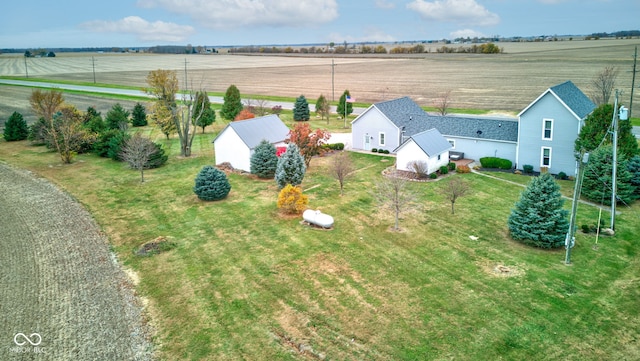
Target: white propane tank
(317, 218)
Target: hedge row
(494, 162)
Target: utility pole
(93, 64)
(614, 170)
(26, 69)
(570, 240)
(633, 80)
(185, 74)
(333, 91)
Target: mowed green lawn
(245, 283)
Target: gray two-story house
(549, 127)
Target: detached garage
(428, 146)
(236, 142)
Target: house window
(381, 139)
(439, 155)
(545, 159)
(547, 129)
(452, 142)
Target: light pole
(570, 240)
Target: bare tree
(394, 194)
(261, 107)
(185, 121)
(341, 168)
(455, 189)
(420, 167)
(443, 102)
(602, 85)
(136, 151)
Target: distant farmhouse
(542, 136)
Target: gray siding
(564, 132)
(478, 148)
(370, 123)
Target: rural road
(140, 93)
(63, 295)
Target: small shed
(236, 142)
(428, 146)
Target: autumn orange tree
(308, 141)
(244, 114)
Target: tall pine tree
(596, 185)
(203, 115)
(538, 218)
(139, 116)
(291, 168)
(342, 103)
(117, 117)
(232, 103)
(301, 109)
(323, 107)
(15, 128)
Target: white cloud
(237, 13)
(466, 33)
(384, 4)
(142, 29)
(459, 11)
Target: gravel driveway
(63, 296)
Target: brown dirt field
(508, 81)
(60, 280)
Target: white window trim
(542, 157)
(382, 139)
(544, 122)
(452, 142)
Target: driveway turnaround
(63, 295)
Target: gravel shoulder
(60, 281)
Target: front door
(367, 142)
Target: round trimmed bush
(211, 184)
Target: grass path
(60, 280)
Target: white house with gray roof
(429, 147)
(236, 142)
(549, 127)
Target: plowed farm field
(64, 296)
(508, 81)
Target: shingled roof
(407, 115)
(572, 97)
(253, 131)
(430, 141)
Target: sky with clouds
(139, 23)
